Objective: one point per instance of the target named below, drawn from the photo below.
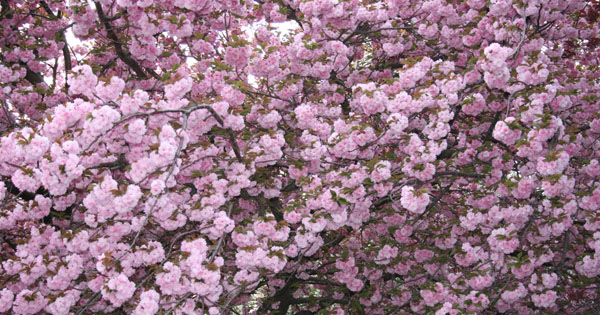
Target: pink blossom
(393, 49)
(355, 285)
(178, 156)
(422, 255)
(415, 202)
(118, 290)
(481, 282)
(501, 240)
(234, 122)
(111, 91)
(545, 300)
(512, 296)
(2, 190)
(136, 130)
(148, 303)
(25, 181)
(524, 188)
(157, 186)
(532, 75)
(232, 96)
(503, 132)
(178, 89)
(82, 81)
(549, 280)
(29, 302)
(270, 120)
(61, 305)
(382, 171)
(554, 164)
(236, 57)
(386, 254)
(6, 300)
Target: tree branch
(125, 56)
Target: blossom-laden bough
(299, 156)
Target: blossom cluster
(321, 156)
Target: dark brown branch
(275, 206)
(125, 56)
(234, 145)
(345, 104)
(388, 65)
(328, 300)
(25, 195)
(5, 10)
(60, 36)
(290, 187)
(284, 296)
(459, 174)
(33, 77)
(120, 164)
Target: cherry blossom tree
(299, 156)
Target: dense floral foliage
(310, 156)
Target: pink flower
(232, 96)
(446, 309)
(129, 200)
(355, 285)
(503, 241)
(589, 266)
(177, 90)
(415, 202)
(245, 276)
(118, 290)
(479, 301)
(82, 81)
(270, 120)
(167, 150)
(135, 131)
(524, 188)
(503, 132)
(513, 296)
(29, 302)
(386, 254)
(480, 282)
(292, 217)
(497, 54)
(544, 300)
(471, 256)
(112, 91)
(563, 186)
(2, 191)
(393, 49)
(36, 149)
(522, 271)
(397, 123)
(532, 74)
(549, 280)
(234, 122)
(496, 73)
(592, 169)
(422, 255)
(553, 164)
(6, 300)
(305, 115)
(148, 303)
(237, 57)
(62, 305)
(25, 181)
(382, 171)
(157, 186)
(169, 280)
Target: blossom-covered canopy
(299, 156)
